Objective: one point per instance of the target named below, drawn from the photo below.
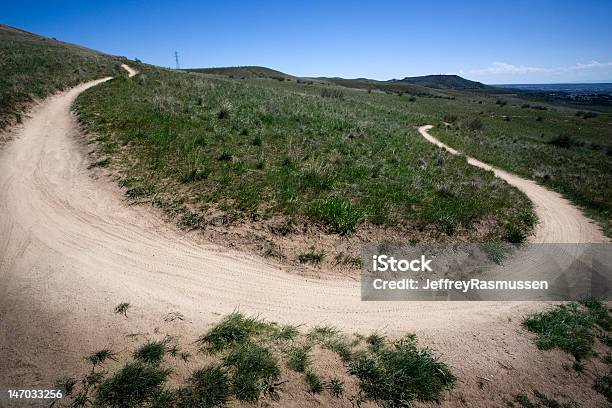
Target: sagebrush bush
(475, 124)
(450, 118)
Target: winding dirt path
(560, 221)
(71, 250)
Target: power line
(176, 59)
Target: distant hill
(443, 82)
(385, 86)
(244, 72)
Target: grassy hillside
(32, 67)
(443, 82)
(385, 86)
(564, 148)
(280, 161)
(244, 72)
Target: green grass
(600, 313)
(99, 357)
(254, 371)
(245, 72)
(551, 146)
(376, 342)
(312, 256)
(207, 387)
(335, 387)
(314, 382)
(299, 358)
(234, 329)
(248, 367)
(398, 374)
(248, 151)
(33, 67)
(152, 352)
(570, 328)
(134, 385)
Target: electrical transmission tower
(176, 59)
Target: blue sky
(490, 41)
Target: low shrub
(565, 141)
(450, 118)
(475, 124)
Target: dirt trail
(560, 221)
(71, 250)
(131, 71)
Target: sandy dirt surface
(71, 250)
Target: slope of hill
(244, 72)
(384, 86)
(33, 67)
(443, 82)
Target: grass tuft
(299, 358)
(400, 374)
(315, 385)
(600, 313)
(335, 387)
(338, 215)
(312, 256)
(332, 93)
(122, 308)
(376, 342)
(207, 387)
(101, 356)
(135, 385)
(567, 327)
(254, 371)
(235, 328)
(152, 352)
